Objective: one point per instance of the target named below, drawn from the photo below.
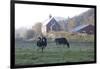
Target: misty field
(27, 53)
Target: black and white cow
(42, 42)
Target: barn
(54, 24)
(88, 29)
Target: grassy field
(27, 53)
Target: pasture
(27, 53)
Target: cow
(42, 42)
(62, 41)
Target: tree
(71, 24)
(38, 28)
(30, 34)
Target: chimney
(50, 16)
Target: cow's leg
(56, 44)
(68, 45)
(42, 49)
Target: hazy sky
(27, 15)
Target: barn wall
(89, 30)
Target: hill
(84, 18)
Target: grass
(27, 53)
(72, 36)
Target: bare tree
(38, 28)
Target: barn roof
(55, 18)
(79, 28)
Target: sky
(28, 15)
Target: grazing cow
(42, 42)
(62, 41)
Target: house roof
(79, 28)
(55, 18)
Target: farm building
(54, 24)
(88, 28)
